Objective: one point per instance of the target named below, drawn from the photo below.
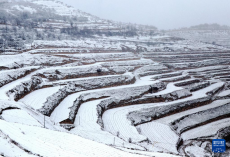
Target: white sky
(164, 14)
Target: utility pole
(114, 141)
(44, 121)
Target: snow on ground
(148, 153)
(170, 88)
(224, 93)
(195, 151)
(195, 95)
(10, 59)
(19, 116)
(87, 116)
(160, 135)
(38, 97)
(13, 84)
(49, 124)
(200, 93)
(87, 127)
(52, 143)
(171, 118)
(116, 119)
(54, 140)
(170, 79)
(99, 57)
(209, 129)
(10, 149)
(151, 107)
(61, 112)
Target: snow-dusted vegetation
(11, 75)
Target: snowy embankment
(115, 120)
(207, 130)
(79, 72)
(24, 88)
(126, 97)
(224, 93)
(69, 106)
(167, 120)
(28, 60)
(200, 118)
(83, 85)
(163, 135)
(88, 114)
(186, 82)
(151, 68)
(169, 89)
(176, 78)
(97, 69)
(8, 76)
(136, 63)
(161, 110)
(101, 57)
(14, 85)
(197, 86)
(162, 130)
(168, 75)
(166, 138)
(86, 45)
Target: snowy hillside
(59, 8)
(213, 33)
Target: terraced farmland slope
(137, 102)
(142, 95)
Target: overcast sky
(164, 14)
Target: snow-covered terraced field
(112, 96)
(169, 119)
(38, 97)
(19, 116)
(210, 129)
(160, 135)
